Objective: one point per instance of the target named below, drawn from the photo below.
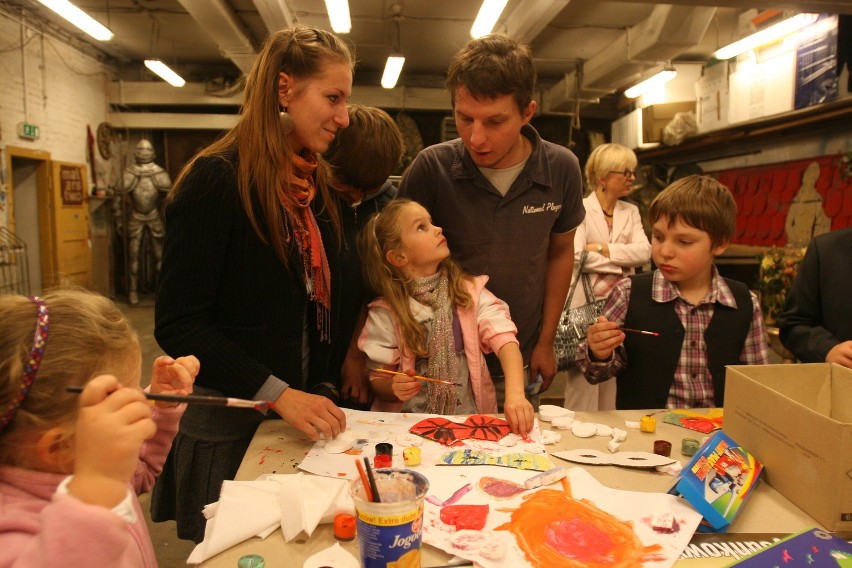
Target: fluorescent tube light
(393, 67)
(165, 73)
(765, 36)
(487, 17)
(79, 18)
(651, 83)
(338, 15)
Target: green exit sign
(28, 130)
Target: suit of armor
(142, 183)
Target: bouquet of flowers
(778, 270)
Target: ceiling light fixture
(654, 82)
(487, 17)
(165, 72)
(770, 34)
(79, 18)
(393, 67)
(338, 15)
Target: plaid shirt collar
(664, 291)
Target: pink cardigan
(39, 528)
(480, 336)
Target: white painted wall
(65, 91)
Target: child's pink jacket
(480, 336)
(40, 529)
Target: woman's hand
(313, 414)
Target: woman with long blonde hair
(245, 281)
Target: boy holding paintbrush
(704, 321)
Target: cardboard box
(711, 93)
(797, 420)
(656, 117)
(718, 481)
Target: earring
(287, 125)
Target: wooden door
(68, 257)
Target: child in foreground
(704, 321)
(434, 320)
(68, 461)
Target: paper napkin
(246, 509)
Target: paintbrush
(199, 399)
(372, 480)
(642, 331)
(430, 379)
(362, 473)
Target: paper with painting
(449, 440)
(493, 520)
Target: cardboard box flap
(795, 419)
(812, 385)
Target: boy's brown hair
(363, 155)
(700, 202)
(492, 66)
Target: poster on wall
(816, 63)
(71, 179)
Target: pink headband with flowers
(31, 368)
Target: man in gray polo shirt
(507, 200)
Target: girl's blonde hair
(259, 139)
(383, 233)
(87, 336)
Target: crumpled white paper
(295, 502)
(335, 555)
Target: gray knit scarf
(443, 362)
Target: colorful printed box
(718, 481)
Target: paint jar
(344, 527)
(251, 561)
(390, 532)
(647, 424)
(384, 448)
(689, 446)
(411, 456)
(663, 448)
(382, 461)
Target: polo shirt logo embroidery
(549, 206)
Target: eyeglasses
(625, 173)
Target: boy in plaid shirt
(703, 321)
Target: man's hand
(543, 362)
(841, 354)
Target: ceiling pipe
(276, 14)
(662, 36)
(531, 17)
(220, 22)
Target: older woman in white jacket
(616, 243)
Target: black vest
(651, 361)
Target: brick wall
(65, 91)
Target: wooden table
(279, 448)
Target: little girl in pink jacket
(434, 320)
(71, 465)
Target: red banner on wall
(789, 202)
